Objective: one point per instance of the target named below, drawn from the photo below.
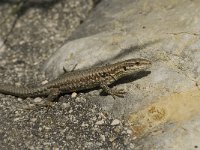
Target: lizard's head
(132, 66)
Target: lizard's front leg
(112, 92)
(53, 94)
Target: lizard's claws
(118, 93)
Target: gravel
(74, 122)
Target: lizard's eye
(137, 63)
(125, 68)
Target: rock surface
(167, 33)
(161, 107)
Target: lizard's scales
(81, 79)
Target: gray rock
(166, 39)
(184, 136)
(166, 32)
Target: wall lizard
(79, 80)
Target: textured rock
(166, 32)
(163, 32)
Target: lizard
(78, 80)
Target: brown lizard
(79, 80)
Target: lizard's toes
(47, 104)
(119, 93)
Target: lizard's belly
(75, 87)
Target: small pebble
(17, 84)
(33, 119)
(16, 119)
(129, 132)
(115, 122)
(99, 122)
(44, 82)
(70, 111)
(19, 99)
(31, 147)
(134, 138)
(80, 100)
(111, 139)
(84, 125)
(74, 94)
(47, 128)
(37, 100)
(65, 105)
(21, 42)
(103, 137)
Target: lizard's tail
(18, 91)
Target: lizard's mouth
(137, 71)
